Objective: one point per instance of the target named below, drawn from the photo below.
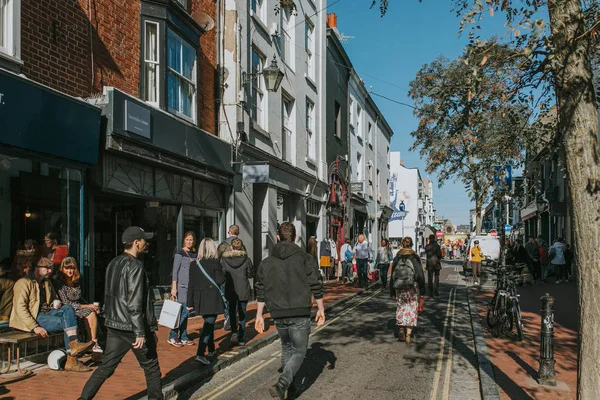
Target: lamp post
(272, 74)
(417, 236)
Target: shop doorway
(112, 217)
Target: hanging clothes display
(325, 253)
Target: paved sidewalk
(129, 380)
(516, 363)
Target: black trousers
(118, 343)
(433, 282)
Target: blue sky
(393, 49)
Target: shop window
(181, 76)
(37, 198)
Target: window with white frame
(370, 134)
(359, 167)
(151, 62)
(351, 116)
(288, 42)
(287, 128)
(258, 106)
(10, 27)
(181, 76)
(309, 44)
(311, 139)
(338, 120)
(358, 125)
(259, 9)
(370, 177)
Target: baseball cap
(476, 242)
(135, 233)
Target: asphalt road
(355, 355)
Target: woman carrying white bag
(184, 257)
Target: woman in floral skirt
(408, 299)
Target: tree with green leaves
(467, 123)
(559, 48)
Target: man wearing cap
(129, 316)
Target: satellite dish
(204, 20)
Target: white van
(490, 246)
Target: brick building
(108, 115)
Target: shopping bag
(169, 315)
(421, 306)
(372, 267)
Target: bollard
(546, 374)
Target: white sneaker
(558, 281)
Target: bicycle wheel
(516, 311)
(501, 316)
(492, 317)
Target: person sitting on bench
(34, 311)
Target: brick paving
(516, 363)
(128, 380)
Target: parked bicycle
(504, 311)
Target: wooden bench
(11, 341)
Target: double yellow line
(233, 382)
(449, 320)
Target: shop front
(47, 142)
(279, 193)
(162, 174)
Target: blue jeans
(240, 306)
(226, 305)
(207, 336)
(362, 265)
(383, 273)
(63, 319)
(181, 330)
(293, 333)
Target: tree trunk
(478, 206)
(578, 134)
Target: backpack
(403, 274)
(348, 254)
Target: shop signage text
(137, 119)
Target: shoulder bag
(211, 280)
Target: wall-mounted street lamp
(273, 76)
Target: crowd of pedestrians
(542, 261)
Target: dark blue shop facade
(48, 141)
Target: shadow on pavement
(317, 359)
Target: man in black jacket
(285, 281)
(129, 317)
(433, 266)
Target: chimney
(332, 20)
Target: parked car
(490, 246)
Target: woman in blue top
(184, 257)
